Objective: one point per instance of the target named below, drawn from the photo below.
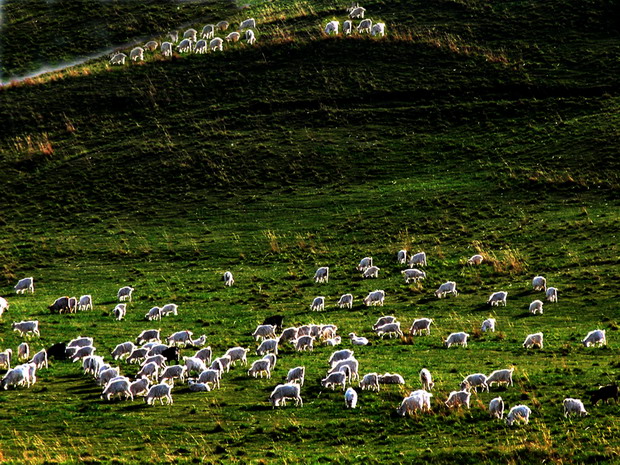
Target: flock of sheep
(193, 42)
(156, 376)
(365, 25)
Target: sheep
(351, 364)
(390, 328)
(358, 340)
(185, 46)
(413, 274)
(332, 27)
(378, 29)
(596, 337)
(539, 283)
(474, 381)
(23, 351)
(475, 260)
(357, 13)
(190, 34)
(73, 304)
(375, 298)
(151, 45)
(30, 371)
(456, 339)
(318, 304)
(210, 377)
(198, 387)
(202, 340)
(286, 391)
(532, 340)
(419, 325)
(364, 26)
(518, 413)
(496, 408)
(264, 332)
(124, 349)
(304, 343)
(536, 307)
(411, 404)
(371, 272)
(205, 354)
(216, 44)
(259, 367)
(328, 331)
(161, 392)
(350, 398)
(501, 377)
(153, 314)
(339, 356)
(250, 37)
(140, 387)
(125, 293)
(296, 375)
(5, 359)
(446, 288)
(347, 27)
(365, 262)
(194, 364)
(249, 23)
(321, 275)
(289, 334)
(180, 338)
(120, 311)
(552, 294)
(352, 7)
(605, 393)
(14, 377)
(426, 379)
(92, 364)
(418, 259)
(384, 320)
(498, 298)
(370, 381)
(119, 387)
(458, 398)
(425, 398)
(60, 304)
(80, 341)
(26, 284)
(334, 341)
(272, 359)
(228, 279)
(574, 406)
(26, 327)
(157, 359)
(346, 301)
(208, 32)
(222, 364)
(85, 302)
(233, 37)
(488, 325)
(222, 25)
(401, 257)
(174, 36)
(149, 370)
(137, 355)
(268, 345)
(4, 305)
(169, 309)
(391, 378)
(173, 372)
(148, 335)
(238, 353)
(106, 375)
(166, 49)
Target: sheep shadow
(524, 315)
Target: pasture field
(471, 127)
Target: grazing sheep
(123, 349)
(205, 354)
(17, 376)
(334, 341)
(222, 25)
(5, 359)
(365, 262)
(458, 398)
(140, 387)
(501, 377)
(120, 311)
(169, 309)
(296, 375)
(23, 351)
(85, 303)
(161, 392)
(80, 341)
(375, 298)
(268, 345)
(496, 408)
(26, 284)
(426, 379)
(357, 13)
(151, 45)
(358, 340)
(289, 334)
(419, 325)
(414, 403)
(124, 293)
(474, 381)
(378, 29)
(539, 283)
(532, 340)
(371, 272)
(201, 47)
(446, 288)
(106, 375)
(391, 378)
(364, 26)
(190, 34)
(180, 338)
(208, 32)
(198, 387)
(185, 46)
(202, 340)
(351, 364)
(488, 325)
(153, 314)
(518, 413)
(250, 37)
(347, 27)
(498, 298)
(166, 49)
(318, 304)
(384, 320)
(456, 339)
(137, 355)
(413, 274)
(346, 301)
(574, 406)
(552, 294)
(26, 327)
(350, 398)
(401, 257)
(60, 305)
(304, 343)
(174, 36)
(148, 335)
(332, 27)
(211, 378)
(322, 275)
(596, 337)
(193, 364)
(40, 359)
(338, 378)
(475, 260)
(136, 54)
(228, 279)
(370, 381)
(418, 259)
(339, 356)
(216, 44)
(328, 331)
(4, 305)
(91, 365)
(264, 332)
(272, 359)
(119, 387)
(536, 307)
(157, 359)
(390, 329)
(259, 367)
(173, 372)
(233, 37)
(248, 24)
(237, 353)
(286, 391)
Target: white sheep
(390, 329)
(185, 46)
(458, 398)
(475, 260)
(208, 32)
(456, 339)
(412, 404)
(194, 364)
(222, 25)
(375, 298)
(23, 285)
(371, 272)
(552, 294)
(264, 332)
(190, 34)
(532, 340)
(233, 37)
(161, 392)
(222, 364)
(202, 340)
(364, 26)
(23, 351)
(296, 375)
(249, 23)
(498, 298)
(536, 307)
(351, 364)
(347, 27)
(383, 321)
(401, 257)
(4, 305)
(151, 45)
(286, 391)
(357, 13)
(259, 367)
(596, 337)
(332, 28)
(272, 359)
(80, 341)
(250, 37)
(378, 29)
(419, 325)
(123, 349)
(198, 387)
(173, 372)
(237, 353)
(518, 413)
(488, 325)
(125, 293)
(120, 311)
(153, 314)
(339, 356)
(85, 302)
(446, 288)
(338, 378)
(119, 387)
(118, 59)
(268, 345)
(501, 377)
(148, 335)
(358, 340)
(169, 309)
(26, 327)
(210, 377)
(346, 301)
(496, 408)
(391, 378)
(229, 280)
(106, 375)
(334, 341)
(205, 354)
(137, 355)
(157, 359)
(149, 370)
(370, 381)
(140, 387)
(418, 259)
(321, 275)
(216, 44)
(365, 262)
(318, 304)
(413, 274)
(180, 338)
(474, 381)
(539, 283)
(14, 377)
(304, 343)
(289, 334)
(574, 406)
(5, 359)
(350, 398)
(166, 49)
(426, 379)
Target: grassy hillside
(472, 127)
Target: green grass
(470, 127)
